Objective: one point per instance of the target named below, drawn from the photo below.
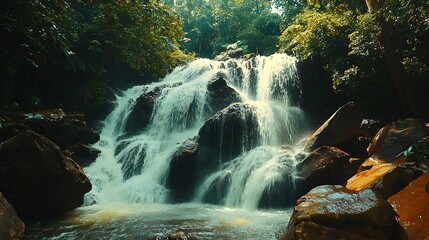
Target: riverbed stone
(333, 212)
(37, 178)
(412, 208)
(139, 117)
(226, 135)
(65, 132)
(325, 165)
(342, 125)
(219, 95)
(11, 227)
(386, 151)
(182, 175)
(398, 178)
(370, 127)
(83, 154)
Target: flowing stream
(242, 185)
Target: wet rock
(180, 236)
(227, 134)
(83, 154)
(220, 95)
(342, 125)
(37, 178)
(65, 132)
(386, 151)
(325, 165)
(231, 53)
(412, 209)
(370, 127)
(281, 193)
(140, 116)
(217, 191)
(356, 146)
(182, 175)
(11, 227)
(396, 137)
(132, 161)
(398, 178)
(333, 212)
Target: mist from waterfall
(133, 165)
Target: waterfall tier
(210, 131)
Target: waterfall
(240, 114)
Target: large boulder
(396, 137)
(82, 154)
(342, 125)
(398, 178)
(411, 206)
(227, 134)
(219, 95)
(182, 175)
(325, 165)
(37, 178)
(370, 127)
(11, 227)
(140, 116)
(230, 53)
(332, 212)
(385, 151)
(62, 129)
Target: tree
(365, 61)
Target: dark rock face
(139, 118)
(385, 151)
(332, 212)
(11, 227)
(395, 138)
(398, 178)
(342, 125)
(133, 161)
(226, 135)
(65, 132)
(83, 154)
(325, 165)
(182, 176)
(220, 95)
(37, 178)
(370, 127)
(356, 146)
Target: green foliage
(418, 152)
(315, 32)
(349, 40)
(212, 25)
(261, 35)
(51, 50)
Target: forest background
(74, 54)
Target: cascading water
(209, 132)
(133, 165)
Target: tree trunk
(400, 78)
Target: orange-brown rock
(411, 206)
(342, 125)
(396, 137)
(333, 212)
(386, 151)
(398, 178)
(325, 165)
(11, 227)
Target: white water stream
(129, 176)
